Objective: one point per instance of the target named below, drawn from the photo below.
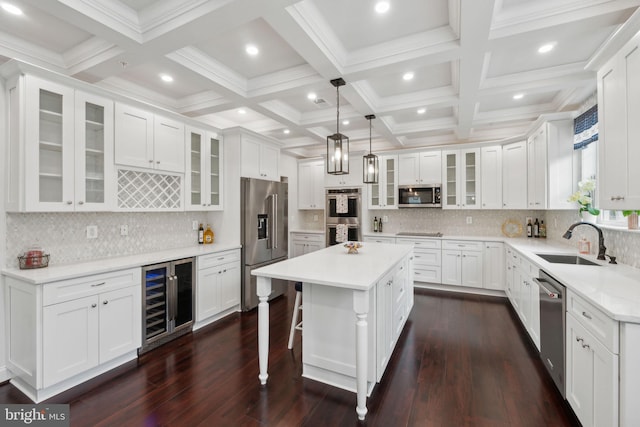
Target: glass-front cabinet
(384, 194)
(461, 172)
(67, 137)
(204, 181)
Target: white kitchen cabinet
(491, 177)
(591, 376)
(304, 243)
(461, 179)
(420, 168)
(60, 148)
(494, 266)
(514, 176)
(218, 285)
(146, 140)
(63, 333)
(311, 185)
(352, 179)
(618, 112)
(203, 180)
(509, 276)
(260, 159)
(427, 258)
(384, 194)
(379, 239)
(462, 263)
(523, 292)
(553, 166)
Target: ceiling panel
(424, 78)
(505, 101)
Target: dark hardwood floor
(462, 361)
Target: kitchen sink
(566, 259)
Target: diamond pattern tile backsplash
(63, 235)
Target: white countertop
(335, 267)
(55, 273)
(307, 231)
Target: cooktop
(417, 233)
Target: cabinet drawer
(380, 239)
(218, 258)
(67, 290)
(419, 243)
(604, 328)
(427, 274)
(462, 245)
(427, 258)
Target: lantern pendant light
(338, 144)
(370, 161)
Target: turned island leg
(361, 307)
(263, 291)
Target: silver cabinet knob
(105, 302)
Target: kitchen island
(376, 285)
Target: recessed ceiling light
(242, 111)
(311, 96)
(166, 78)
(518, 96)
(251, 50)
(408, 76)
(546, 48)
(12, 9)
(421, 110)
(382, 7)
(345, 122)
(286, 131)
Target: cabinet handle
(69, 202)
(587, 315)
(151, 161)
(585, 345)
(224, 271)
(98, 284)
(94, 305)
(105, 302)
(578, 339)
(220, 259)
(81, 202)
(158, 162)
(617, 197)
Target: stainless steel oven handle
(553, 295)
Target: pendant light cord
(338, 110)
(369, 136)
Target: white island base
(373, 291)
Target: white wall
(3, 227)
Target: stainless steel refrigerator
(264, 233)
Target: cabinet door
(168, 144)
(534, 319)
(230, 285)
(409, 169)
(214, 173)
(94, 173)
(491, 177)
(451, 267)
(120, 322)
(471, 269)
(514, 177)
(470, 179)
(269, 158)
(493, 266)
(537, 169)
(208, 296)
(451, 180)
(383, 194)
(311, 185)
(384, 302)
(49, 146)
(431, 167)
(133, 136)
(70, 339)
(195, 181)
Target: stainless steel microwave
(423, 196)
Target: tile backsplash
(63, 235)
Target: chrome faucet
(601, 247)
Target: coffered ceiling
(468, 59)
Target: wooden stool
(297, 305)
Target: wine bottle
(536, 228)
(200, 234)
(375, 223)
(529, 229)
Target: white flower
(588, 185)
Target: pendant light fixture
(338, 144)
(370, 161)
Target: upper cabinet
(260, 159)
(351, 179)
(420, 168)
(491, 177)
(553, 167)
(384, 194)
(311, 185)
(618, 112)
(146, 140)
(514, 176)
(461, 179)
(60, 148)
(203, 180)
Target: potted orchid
(632, 219)
(584, 197)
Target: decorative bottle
(536, 228)
(380, 225)
(208, 235)
(543, 230)
(200, 234)
(375, 223)
(529, 229)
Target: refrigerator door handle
(274, 213)
(269, 223)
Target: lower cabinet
(304, 243)
(62, 333)
(493, 270)
(523, 292)
(462, 263)
(218, 284)
(427, 258)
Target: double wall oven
(343, 215)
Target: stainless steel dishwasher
(552, 327)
